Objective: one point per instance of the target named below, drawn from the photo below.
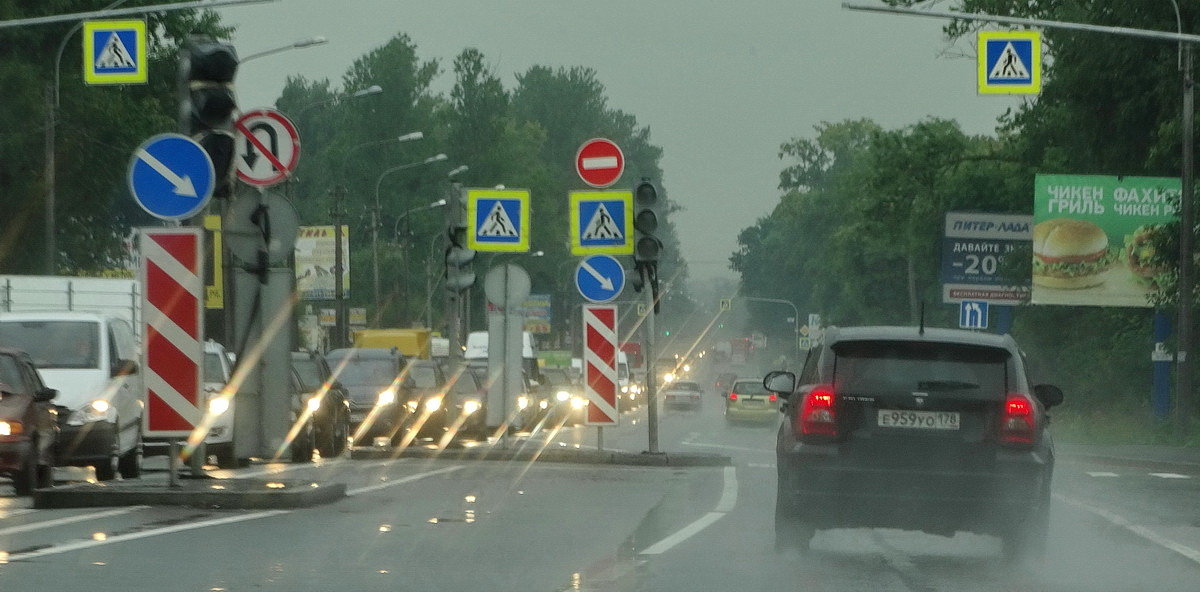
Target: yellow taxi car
(747, 400)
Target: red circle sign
(267, 147)
(599, 162)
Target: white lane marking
(402, 481)
(761, 465)
(1142, 531)
(726, 446)
(599, 162)
(724, 505)
(1101, 474)
(276, 468)
(120, 538)
(1170, 476)
(69, 520)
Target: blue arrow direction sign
(973, 314)
(171, 177)
(600, 278)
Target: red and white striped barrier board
(173, 329)
(600, 363)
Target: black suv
(935, 430)
(324, 405)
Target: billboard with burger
(1093, 238)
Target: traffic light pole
(337, 212)
(454, 334)
(651, 378)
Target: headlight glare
(386, 397)
(562, 396)
(578, 402)
(10, 428)
(433, 404)
(522, 402)
(471, 406)
(218, 405)
(314, 404)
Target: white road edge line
(16, 512)
(401, 481)
(69, 520)
(234, 474)
(1142, 531)
(1170, 476)
(724, 505)
(120, 538)
(1101, 474)
(727, 447)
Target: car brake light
(817, 415)
(732, 396)
(773, 397)
(1017, 422)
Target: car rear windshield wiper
(945, 385)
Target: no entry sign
(599, 162)
(173, 349)
(600, 363)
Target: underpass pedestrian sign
(1010, 62)
(498, 219)
(114, 52)
(600, 222)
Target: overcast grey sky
(720, 84)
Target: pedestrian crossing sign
(114, 52)
(1010, 62)
(600, 222)
(498, 219)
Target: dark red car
(28, 423)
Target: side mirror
(46, 394)
(780, 382)
(124, 368)
(1048, 394)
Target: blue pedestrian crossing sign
(600, 278)
(171, 177)
(973, 314)
(114, 52)
(600, 222)
(1010, 62)
(498, 220)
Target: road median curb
(572, 455)
(224, 494)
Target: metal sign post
(651, 378)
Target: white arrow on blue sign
(973, 314)
(171, 177)
(600, 278)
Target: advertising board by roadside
(315, 262)
(1093, 238)
(974, 248)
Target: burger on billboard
(1093, 238)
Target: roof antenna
(921, 330)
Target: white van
(92, 359)
(218, 369)
(477, 352)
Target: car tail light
(1017, 421)
(732, 396)
(817, 416)
(773, 397)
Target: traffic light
(206, 102)
(459, 275)
(647, 247)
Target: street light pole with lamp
(375, 216)
(404, 250)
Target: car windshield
(55, 344)
(10, 372)
(214, 371)
(938, 369)
(554, 377)
(423, 376)
(310, 373)
(372, 372)
(749, 387)
(685, 386)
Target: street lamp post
(298, 44)
(404, 250)
(375, 215)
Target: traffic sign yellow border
(1035, 69)
(90, 76)
(577, 199)
(473, 197)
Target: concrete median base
(562, 455)
(224, 494)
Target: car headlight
(625, 389)
(314, 404)
(668, 377)
(578, 402)
(386, 397)
(412, 405)
(10, 428)
(543, 404)
(471, 406)
(522, 402)
(433, 404)
(218, 405)
(97, 410)
(687, 368)
(562, 396)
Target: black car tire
(130, 463)
(331, 439)
(106, 470)
(224, 455)
(1026, 542)
(790, 529)
(45, 477)
(23, 480)
(302, 446)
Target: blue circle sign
(171, 177)
(600, 278)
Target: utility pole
(51, 241)
(338, 212)
(651, 378)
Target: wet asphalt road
(438, 525)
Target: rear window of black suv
(955, 370)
